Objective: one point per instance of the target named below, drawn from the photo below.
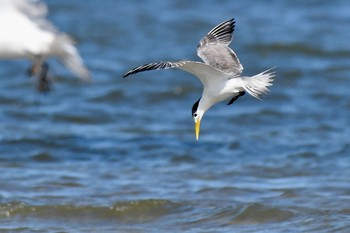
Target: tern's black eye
(195, 115)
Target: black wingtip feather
(128, 73)
(223, 33)
(154, 66)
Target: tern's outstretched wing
(213, 49)
(205, 73)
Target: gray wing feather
(213, 49)
(222, 33)
(204, 72)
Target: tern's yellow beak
(197, 126)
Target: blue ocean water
(120, 155)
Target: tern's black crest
(195, 107)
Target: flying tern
(220, 73)
(27, 34)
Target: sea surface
(120, 155)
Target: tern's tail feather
(257, 86)
(64, 48)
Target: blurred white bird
(27, 34)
